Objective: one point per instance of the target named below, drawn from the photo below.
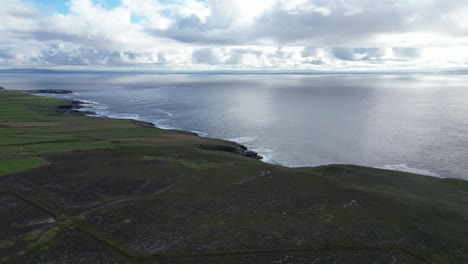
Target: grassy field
(77, 189)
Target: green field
(77, 189)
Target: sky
(340, 35)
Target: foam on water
(406, 168)
(87, 102)
(200, 133)
(162, 125)
(166, 112)
(266, 154)
(102, 110)
(242, 140)
(96, 107)
(125, 116)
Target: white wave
(265, 153)
(125, 116)
(87, 102)
(200, 133)
(406, 168)
(242, 140)
(160, 123)
(166, 112)
(165, 127)
(99, 107)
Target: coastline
(360, 138)
(77, 106)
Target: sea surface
(410, 122)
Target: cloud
(17, 17)
(237, 34)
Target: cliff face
(98, 189)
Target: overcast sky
(235, 34)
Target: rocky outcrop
(51, 91)
(239, 149)
(74, 107)
(244, 151)
(251, 154)
(143, 123)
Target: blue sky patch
(60, 6)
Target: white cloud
(17, 16)
(238, 34)
(298, 7)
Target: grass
(178, 201)
(51, 147)
(10, 166)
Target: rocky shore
(51, 91)
(75, 106)
(249, 153)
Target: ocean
(409, 122)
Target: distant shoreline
(76, 105)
